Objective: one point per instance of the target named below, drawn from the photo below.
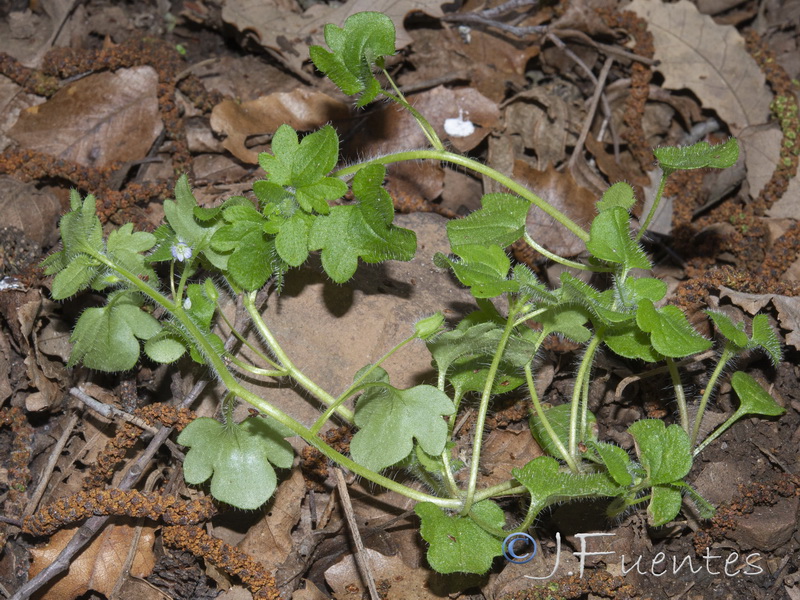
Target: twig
(55, 454)
(587, 122)
(361, 556)
(111, 412)
(479, 19)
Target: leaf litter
(497, 80)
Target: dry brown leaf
(103, 118)
(29, 209)
(28, 35)
(788, 207)
(99, 565)
(302, 108)
(395, 580)
(762, 151)
(271, 538)
(391, 128)
(709, 59)
(289, 33)
(309, 592)
(542, 121)
(563, 192)
(488, 62)
(504, 448)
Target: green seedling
(179, 272)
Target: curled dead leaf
(303, 109)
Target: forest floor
(116, 98)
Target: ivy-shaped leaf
(670, 331)
(764, 337)
(616, 460)
(390, 419)
(484, 269)
(186, 229)
(500, 222)
(630, 341)
(107, 338)
(237, 458)
(357, 48)
(665, 504)
(301, 168)
(125, 248)
(620, 194)
(458, 544)
(610, 240)
(363, 230)
(547, 483)
(665, 452)
(698, 156)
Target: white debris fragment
(458, 127)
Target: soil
(213, 83)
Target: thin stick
(33, 503)
(361, 556)
(587, 123)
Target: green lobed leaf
(620, 194)
(107, 338)
(390, 419)
(237, 458)
(125, 248)
(484, 269)
(631, 342)
(616, 460)
(764, 337)
(362, 231)
(753, 399)
(610, 240)
(458, 544)
(165, 347)
(500, 222)
(670, 331)
(75, 276)
(600, 304)
(701, 154)
(665, 452)
(357, 48)
(180, 214)
(665, 504)
(548, 484)
(567, 321)
(468, 374)
(733, 332)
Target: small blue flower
(181, 251)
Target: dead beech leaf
(762, 151)
(29, 209)
(542, 120)
(289, 33)
(271, 538)
(562, 191)
(709, 59)
(302, 108)
(395, 580)
(488, 62)
(99, 565)
(103, 118)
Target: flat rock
(768, 527)
(330, 331)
